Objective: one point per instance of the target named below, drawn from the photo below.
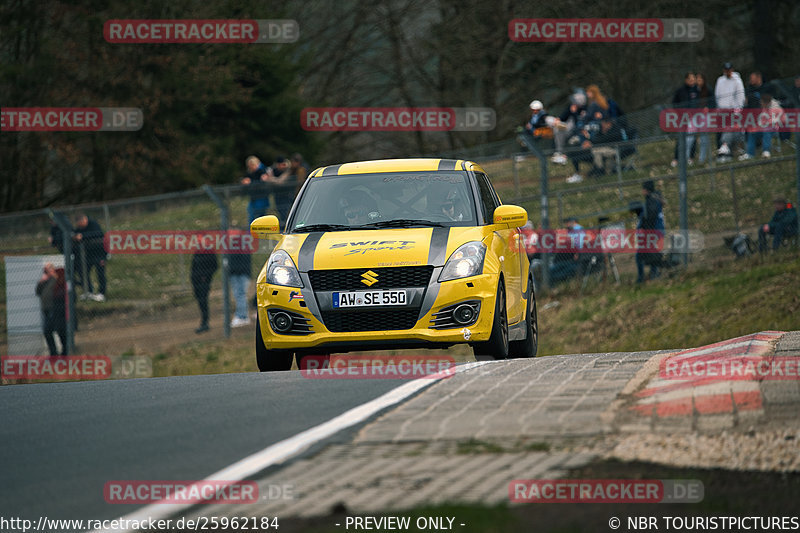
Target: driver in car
(358, 208)
(450, 207)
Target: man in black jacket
(685, 97)
(239, 268)
(204, 264)
(51, 293)
(783, 224)
(89, 235)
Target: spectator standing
(783, 224)
(239, 269)
(685, 97)
(256, 179)
(705, 101)
(89, 234)
(795, 92)
(51, 291)
(56, 238)
(204, 264)
(650, 218)
(729, 94)
(755, 90)
(286, 181)
(300, 169)
(770, 114)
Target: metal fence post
(515, 165)
(797, 169)
(619, 170)
(735, 202)
(69, 273)
(226, 304)
(545, 202)
(683, 195)
(84, 269)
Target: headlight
(281, 270)
(466, 261)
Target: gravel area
(771, 451)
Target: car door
(505, 244)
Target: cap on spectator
(727, 65)
(570, 219)
(779, 200)
(280, 159)
(536, 105)
(649, 185)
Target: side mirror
(265, 227)
(513, 216)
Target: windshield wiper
(321, 227)
(402, 223)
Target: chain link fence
(150, 298)
(150, 301)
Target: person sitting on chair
(783, 224)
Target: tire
(271, 360)
(497, 345)
(530, 345)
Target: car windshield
(385, 199)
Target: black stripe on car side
(438, 246)
(332, 170)
(305, 258)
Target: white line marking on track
(281, 451)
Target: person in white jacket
(729, 93)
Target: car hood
(377, 248)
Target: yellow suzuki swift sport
(395, 254)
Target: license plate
(368, 298)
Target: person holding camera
(651, 217)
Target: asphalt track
(63, 441)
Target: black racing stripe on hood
(305, 259)
(438, 246)
(331, 170)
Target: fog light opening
(464, 314)
(281, 321)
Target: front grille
(388, 278)
(372, 320)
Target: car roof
(396, 165)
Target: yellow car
(395, 254)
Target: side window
(489, 200)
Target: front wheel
(271, 360)
(530, 344)
(497, 345)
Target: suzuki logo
(370, 278)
